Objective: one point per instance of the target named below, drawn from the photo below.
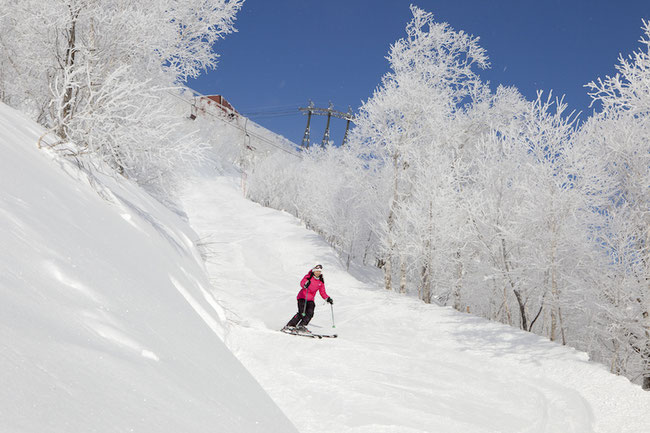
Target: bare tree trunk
(388, 266)
(425, 287)
(459, 279)
(3, 93)
(646, 366)
(366, 249)
(68, 67)
(505, 307)
(554, 292)
(388, 274)
(522, 309)
(349, 253)
(556, 314)
(645, 356)
(425, 277)
(517, 293)
(645, 352)
(402, 274)
(562, 329)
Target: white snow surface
(108, 322)
(399, 365)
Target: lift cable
(250, 133)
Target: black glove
(330, 301)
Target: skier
(311, 283)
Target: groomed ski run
(399, 365)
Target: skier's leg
(309, 313)
(296, 319)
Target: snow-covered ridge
(108, 323)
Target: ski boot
(289, 329)
(303, 329)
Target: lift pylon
(329, 112)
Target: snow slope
(399, 365)
(107, 318)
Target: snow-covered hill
(107, 320)
(399, 365)
(109, 323)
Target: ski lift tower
(329, 112)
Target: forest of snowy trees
(498, 206)
(103, 75)
(506, 208)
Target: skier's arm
(304, 284)
(322, 292)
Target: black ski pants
(306, 307)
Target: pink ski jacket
(316, 285)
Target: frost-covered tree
(98, 73)
(525, 208)
(409, 118)
(619, 136)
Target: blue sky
(289, 51)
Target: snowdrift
(108, 323)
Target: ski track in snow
(399, 365)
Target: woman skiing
(311, 283)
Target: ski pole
(332, 307)
(304, 310)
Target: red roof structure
(214, 104)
